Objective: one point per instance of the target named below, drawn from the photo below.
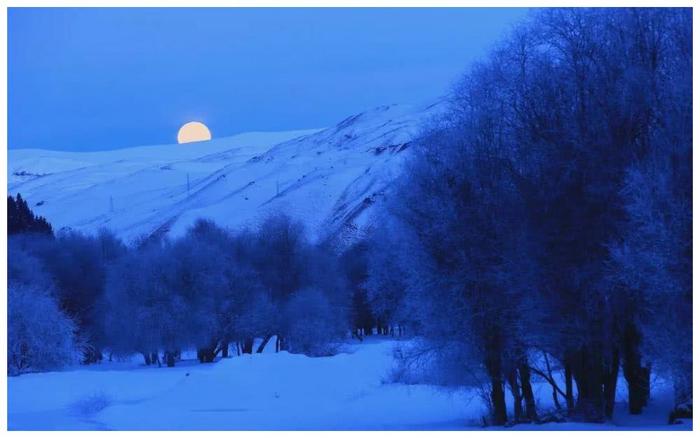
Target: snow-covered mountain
(330, 178)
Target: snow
(329, 178)
(270, 391)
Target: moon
(193, 131)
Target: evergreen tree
(20, 218)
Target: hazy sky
(103, 78)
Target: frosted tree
(145, 313)
(40, 336)
(523, 191)
(311, 324)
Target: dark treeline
(21, 219)
(548, 216)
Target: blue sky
(103, 78)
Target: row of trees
(550, 211)
(208, 289)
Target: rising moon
(193, 131)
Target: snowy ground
(263, 392)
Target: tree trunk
(91, 354)
(517, 397)
(147, 358)
(636, 375)
(498, 399)
(611, 384)
(261, 348)
(591, 372)
(281, 343)
(568, 375)
(210, 351)
(206, 355)
(224, 348)
(528, 395)
(646, 383)
(248, 346)
(170, 359)
(555, 396)
(357, 333)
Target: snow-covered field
(269, 391)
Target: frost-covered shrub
(424, 361)
(23, 264)
(312, 325)
(92, 404)
(145, 312)
(259, 315)
(40, 336)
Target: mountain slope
(330, 179)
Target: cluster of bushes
(548, 213)
(76, 296)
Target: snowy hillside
(328, 178)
